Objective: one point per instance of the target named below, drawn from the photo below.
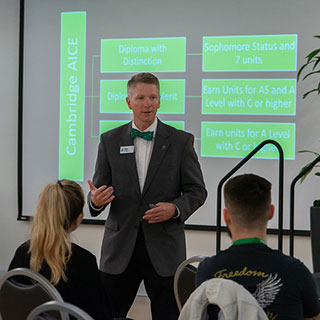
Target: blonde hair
(58, 207)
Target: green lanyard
(248, 240)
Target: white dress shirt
(143, 150)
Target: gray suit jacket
(174, 175)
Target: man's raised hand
(100, 196)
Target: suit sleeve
(193, 191)
(102, 175)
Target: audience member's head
(248, 201)
(144, 77)
(59, 211)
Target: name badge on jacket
(126, 149)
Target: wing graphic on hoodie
(267, 290)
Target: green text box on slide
(250, 53)
(180, 125)
(143, 54)
(172, 96)
(249, 96)
(72, 95)
(237, 139)
(113, 95)
(106, 125)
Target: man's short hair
(144, 77)
(248, 198)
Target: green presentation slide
(249, 96)
(250, 53)
(218, 96)
(147, 54)
(106, 125)
(113, 95)
(237, 139)
(72, 95)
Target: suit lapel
(160, 147)
(129, 159)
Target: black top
(83, 287)
(282, 285)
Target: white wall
(13, 232)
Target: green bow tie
(147, 135)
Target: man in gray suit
(150, 174)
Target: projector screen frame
(22, 217)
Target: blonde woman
(70, 268)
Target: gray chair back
(22, 290)
(66, 307)
(316, 278)
(185, 280)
